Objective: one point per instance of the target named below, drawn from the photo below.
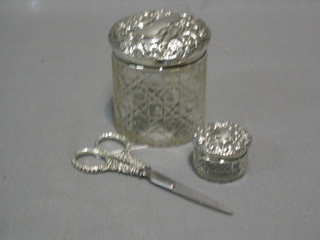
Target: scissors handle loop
(111, 136)
(121, 162)
(125, 162)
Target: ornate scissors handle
(125, 162)
(122, 162)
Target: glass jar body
(159, 106)
(218, 170)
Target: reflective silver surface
(126, 163)
(55, 81)
(186, 192)
(220, 151)
(159, 38)
(159, 76)
(222, 139)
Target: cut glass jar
(220, 151)
(159, 76)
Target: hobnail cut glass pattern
(158, 106)
(220, 170)
(221, 151)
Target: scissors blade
(185, 192)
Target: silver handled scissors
(125, 162)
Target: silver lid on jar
(220, 151)
(222, 140)
(159, 38)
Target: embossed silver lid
(220, 151)
(159, 38)
(225, 140)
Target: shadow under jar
(159, 76)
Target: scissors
(125, 162)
